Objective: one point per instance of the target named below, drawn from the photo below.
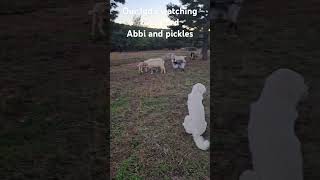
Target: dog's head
(199, 88)
(285, 86)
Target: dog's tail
(186, 124)
(201, 142)
(248, 175)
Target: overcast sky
(155, 20)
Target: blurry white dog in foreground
(195, 122)
(275, 149)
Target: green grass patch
(135, 142)
(129, 169)
(163, 170)
(197, 168)
(154, 104)
(119, 106)
(116, 130)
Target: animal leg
(186, 124)
(140, 69)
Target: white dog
(275, 149)
(195, 122)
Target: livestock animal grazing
(226, 10)
(275, 149)
(142, 67)
(156, 63)
(195, 54)
(98, 13)
(178, 62)
(195, 122)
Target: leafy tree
(199, 24)
(114, 4)
(136, 21)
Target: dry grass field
(148, 140)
